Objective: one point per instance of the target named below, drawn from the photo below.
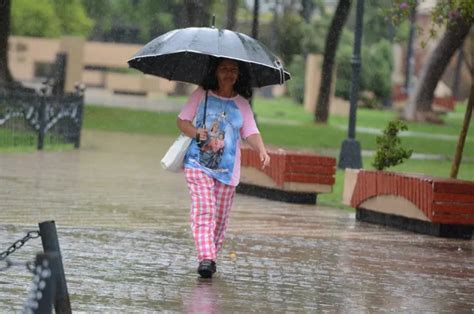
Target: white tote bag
(174, 157)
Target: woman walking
(222, 117)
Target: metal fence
(40, 118)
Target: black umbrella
(185, 55)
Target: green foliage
(132, 21)
(389, 153)
(72, 17)
(290, 34)
(314, 38)
(343, 70)
(49, 18)
(376, 69)
(34, 18)
(444, 14)
(296, 84)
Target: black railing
(40, 118)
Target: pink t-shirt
(227, 120)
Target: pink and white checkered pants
(211, 201)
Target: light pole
(350, 154)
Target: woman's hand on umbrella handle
(265, 159)
(201, 135)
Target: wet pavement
(123, 230)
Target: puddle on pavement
(126, 247)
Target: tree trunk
(332, 41)
(231, 13)
(307, 7)
(5, 75)
(196, 15)
(419, 104)
(256, 12)
(467, 119)
(197, 12)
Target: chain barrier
(42, 274)
(18, 244)
(9, 264)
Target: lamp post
(350, 154)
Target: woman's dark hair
(242, 85)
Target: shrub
(389, 153)
(376, 69)
(296, 84)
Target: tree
(389, 149)
(419, 104)
(49, 18)
(133, 21)
(197, 12)
(467, 120)
(457, 17)
(231, 13)
(72, 17)
(5, 75)
(332, 41)
(307, 7)
(35, 19)
(290, 34)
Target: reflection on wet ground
(122, 224)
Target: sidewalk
(126, 246)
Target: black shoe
(205, 268)
(213, 267)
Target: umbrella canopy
(185, 55)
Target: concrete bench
(292, 176)
(416, 202)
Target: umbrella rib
(180, 59)
(185, 53)
(175, 67)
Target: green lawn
(285, 124)
(27, 141)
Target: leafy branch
(389, 152)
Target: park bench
(294, 177)
(416, 202)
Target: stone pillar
(312, 81)
(73, 46)
(314, 64)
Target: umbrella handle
(198, 140)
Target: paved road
(122, 223)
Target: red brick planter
(421, 203)
(292, 176)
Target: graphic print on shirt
(213, 148)
(216, 155)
